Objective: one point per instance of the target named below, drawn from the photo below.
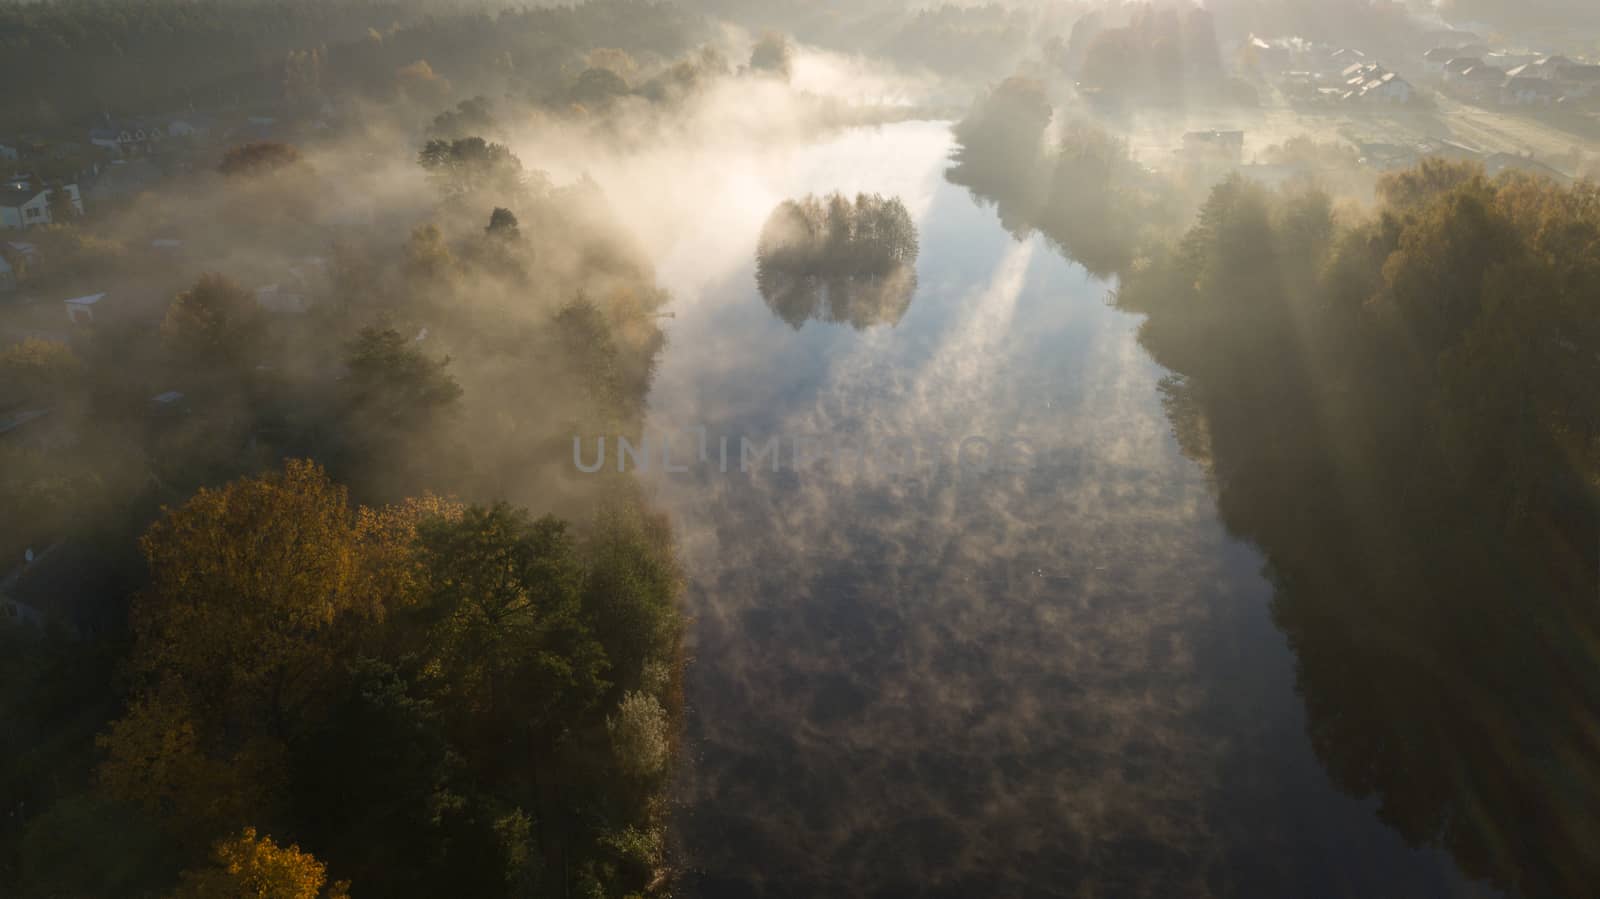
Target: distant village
(1391, 110)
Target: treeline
(1399, 410)
(287, 676)
(427, 699)
(838, 260)
(1083, 190)
(68, 63)
(1162, 56)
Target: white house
(80, 310)
(1387, 88)
(1550, 68)
(23, 207)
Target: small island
(838, 260)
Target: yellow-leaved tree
(259, 593)
(254, 867)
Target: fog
(1287, 320)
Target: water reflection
(838, 261)
(1058, 682)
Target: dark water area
(1054, 675)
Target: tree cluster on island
(838, 260)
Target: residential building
(81, 310)
(1372, 83)
(23, 207)
(1525, 90)
(1481, 82)
(1433, 61)
(1457, 66)
(27, 206)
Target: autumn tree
(419, 83)
(254, 866)
(258, 591)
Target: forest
(1399, 409)
(311, 638)
(1396, 404)
(304, 598)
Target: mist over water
(949, 682)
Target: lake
(1047, 673)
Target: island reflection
(838, 260)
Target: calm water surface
(1057, 681)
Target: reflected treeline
(1085, 193)
(1400, 412)
(840, 261)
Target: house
(1457, 66)
(1372, 83)
(1549, 68)
(23, 207)
(1509, 59)
(81, 310)
(1214, 146)
(135, 137)
(1481, 82)
(1524, 90)
(28, 252)
(1340, 59)
(167, 404)
(1268, 56)
(26, 207)
(1387, 88)
(1581, 81)
(37, 429)
(73, 584)
(1433, 61)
